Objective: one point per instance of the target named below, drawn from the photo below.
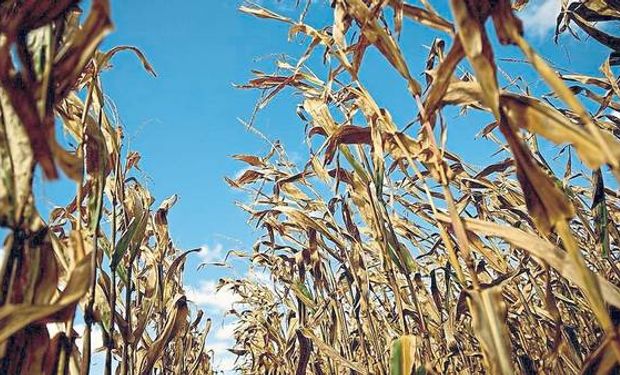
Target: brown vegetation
(388, 253)
(391, 254)
(109, 250)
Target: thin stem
(112, 302)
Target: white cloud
(225, 332)
(96, 337)
(263, 277)
(225, 363)
(217, 303)
(206, 295)
(218, 347)
(211, 253)
(259, 276)
(539, 17)
(223, 359)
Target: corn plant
(388, 253)
(106, 257)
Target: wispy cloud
(208, 296)
(211, 253)
(217, 303)
(276, 4)
(261, 277)
(225, 332)
(539, 17)
(219, 343)
(223, 360)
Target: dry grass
(391, 254)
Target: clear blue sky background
(184, 122)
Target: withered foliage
(107, 254)
(592, 16)
(390, 254)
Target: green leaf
(123, 243)
(403, 356)
(599, 212)
(396, 358)
(130, 238)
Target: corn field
(386, 252)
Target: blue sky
(185, 121)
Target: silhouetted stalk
(94, 227)
(127, 369)
(112, 302)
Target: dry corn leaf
(540, 118)
(470, 16)
(403, 355)
(175, 324)
(488, 311)
(546, 203)
(18, 316)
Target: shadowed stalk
(126, 364)
(94, 227)
(112, 302)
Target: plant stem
(112, 302)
